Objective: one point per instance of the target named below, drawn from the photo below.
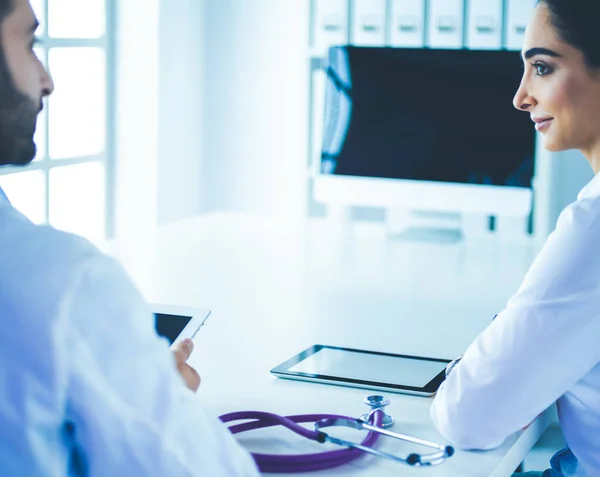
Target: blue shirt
(86, 385)
(541, 349)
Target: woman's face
(558, 89)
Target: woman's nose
(523, 101)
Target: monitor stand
(424, 226)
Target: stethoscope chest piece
(375, 403)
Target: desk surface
(277, 287)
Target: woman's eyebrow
(540, 51)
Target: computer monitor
(424, 129)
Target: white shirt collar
(591, 189)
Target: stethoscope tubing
(296, 463)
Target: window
(69, 184)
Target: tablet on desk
(365, 369)
(178, 322)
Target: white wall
(159, 113)
(180, 104)
(256, 106)
(213, 109)
(136, 117)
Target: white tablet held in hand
(178, 322)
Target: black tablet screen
(170, 326)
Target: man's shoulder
(42, 243)
(41, 268)
(39, 257)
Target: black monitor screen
(422, 114)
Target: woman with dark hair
(544, 347)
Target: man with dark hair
(86, 385)
(19, 105)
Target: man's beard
(18, 117)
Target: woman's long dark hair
(578, 24)
(6, 7)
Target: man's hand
(182, 352)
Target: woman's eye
(542, 69)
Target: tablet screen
(364, 366)
(170, 326)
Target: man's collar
(3, 196)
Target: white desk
(276, 288)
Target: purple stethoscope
(376, 422)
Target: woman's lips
(542, 124)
